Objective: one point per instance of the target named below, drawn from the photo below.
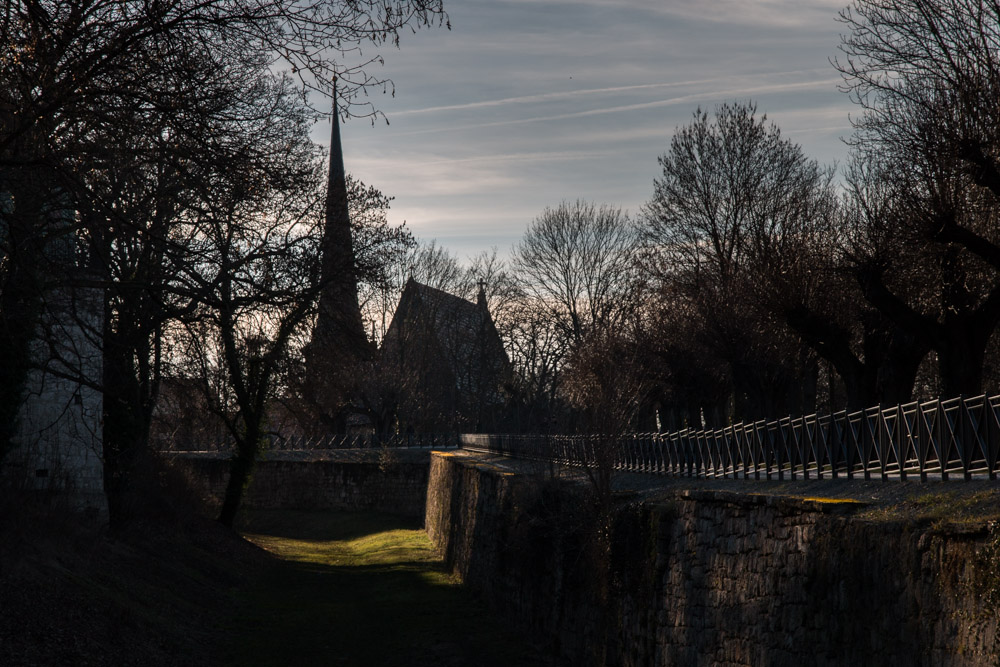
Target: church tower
(339, 322)
(339, 342)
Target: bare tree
(144, 208)
(538, 351)
(578, 261)
(262, 278)
(732, 189)
(127, 108)
(105, 49)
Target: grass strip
(362, 589)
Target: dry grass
(956, 507)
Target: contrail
(545, 97)
(673, 101)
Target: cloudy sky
(526, 103)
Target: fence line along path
(939, 439)
(300, 443)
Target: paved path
(874, 493)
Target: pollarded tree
(927, 75)
(942, 295)
(813, 291)
(799, 276)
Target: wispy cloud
(701, 96)
(492, 128)
(588, 92)
(442, 178)
(519, 157)
(775, 13)
(771, 13)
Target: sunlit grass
(831, 501)
(362, 589)
(400, 550)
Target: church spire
(337, 212)
(339, 340)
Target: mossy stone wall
(710, 578)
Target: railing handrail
(955, 436)
(297, 443)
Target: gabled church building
(441, 367)
(447, 356)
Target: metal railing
(935, 439)
(298, 443)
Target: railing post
(740, 465)
(779, 459)
(884, 443)
(902, 441)
(804, 447)
(965, 428)
(942, 452)
(819, 447)
(991, 438)
(688, 454)
(768, 449)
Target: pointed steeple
(339, 341)
(337, 213)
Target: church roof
(449, 311)
(462, 330)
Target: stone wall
(396, 483)
(715, 578)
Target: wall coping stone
(402, 455)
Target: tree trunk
(19, 305)
(898, 373)
(960, 362)
(241, 468)
(125, 431)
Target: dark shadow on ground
(392, 605)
